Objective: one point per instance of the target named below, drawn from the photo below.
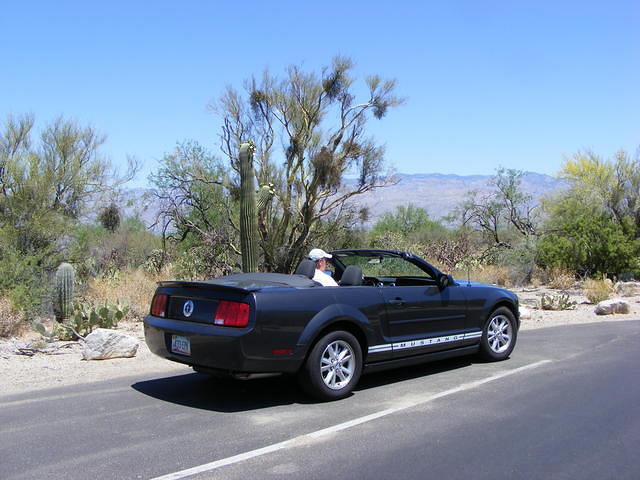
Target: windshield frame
(429, 270)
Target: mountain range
(437, 193)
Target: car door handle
(398, 302)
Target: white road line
(207, 467)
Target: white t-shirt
(324, 279)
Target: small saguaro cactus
(63, 294)
(248, 216)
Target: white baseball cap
(317, 253)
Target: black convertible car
(390, 309)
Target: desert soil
(22, 373)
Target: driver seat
(352, 277)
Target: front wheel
(498, 335)
(333, 366)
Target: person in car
(320, 257)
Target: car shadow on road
(201, 391)
(373, 380)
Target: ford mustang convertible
(390, 309)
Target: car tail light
(232, 314)
(159, 305)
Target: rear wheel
(498, 335)
(333, 366)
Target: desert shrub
(24, 278)
(559, 278)
(539, 277)
(504, 265)
(517, 259)
(557, 302)
(589, 242)
(110, 217)
(490, 274)
(101, 252)
(12, 321)
(50, 331)
(202, 262)
(596, 290)
(626, 289)
(135, 287)
(447, 251)
(156, 261)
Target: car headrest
(306, 268)
(352, 276)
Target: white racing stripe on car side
(380, 348)
(423, 342)
(296, 441)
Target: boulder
(103, 343)
(627, 289)
(610, 307)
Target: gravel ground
(21, 373)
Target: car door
(424, 318)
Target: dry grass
(12, 322)
(597, 291)
(136, 287)
(490, 274)
(558, 278)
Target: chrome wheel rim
(499, 334)
(337, 364)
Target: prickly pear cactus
(248, 216)
(63, 294)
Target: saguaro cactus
(248, 216)
(264, 196)
(63, 294)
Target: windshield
(384, 266)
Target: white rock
(525, 313)
(627, 289)
(103, 343)
(610, 307)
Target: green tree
(589, 242)
(409, 220)
(310, 133)
(45, 187)
(509, 222)
(612, 185)
(505, 208)
(197, 212)
(592, 226)
(110, 217)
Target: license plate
(180, 345)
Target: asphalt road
(566, 405)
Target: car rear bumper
(233, 350)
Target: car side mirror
(444, 281)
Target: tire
(333, 366)
(498, 335)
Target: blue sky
(515, 84)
